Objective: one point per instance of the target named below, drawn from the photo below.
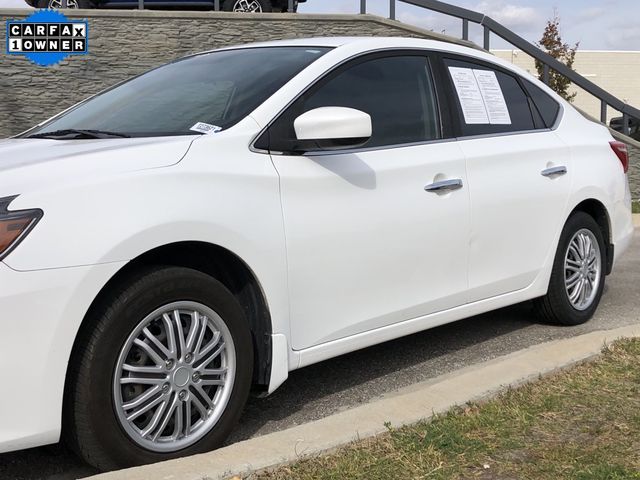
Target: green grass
(635, 207)
(580, 424)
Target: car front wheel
(578, 275)
(163, 370)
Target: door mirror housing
(332, 128)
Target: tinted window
(546, 105)
(396, 91)
(521, 117)
(218, 88)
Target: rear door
(367, 245)
(519, 174)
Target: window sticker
(205, 128)
(480, 96)
(470, 96)
(493, 97)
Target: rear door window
(488, 100)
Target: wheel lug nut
(182, 395)
(188, 357)
(196, 376)
(165, 388)
(169, 364)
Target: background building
(616, 72)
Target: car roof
(365, 44)
(306, 42)
(341, 41)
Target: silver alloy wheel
(58, 4)
(174, 376)
(582, 269)
(247, 6)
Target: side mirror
(332, 128)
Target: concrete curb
(404, 407)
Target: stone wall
(125, 43)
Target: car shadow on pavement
(334, 385)
(53, 462)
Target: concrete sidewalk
(404, 407)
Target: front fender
(119, 218)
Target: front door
(367, 245)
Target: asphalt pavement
(341, 383)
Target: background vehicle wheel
(247, 6)
(60, 4)
(578, 275)
(164, 370)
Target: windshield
(213, 91)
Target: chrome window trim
(347, 151)
(505, 134)
(406, 145)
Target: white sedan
(205, 228)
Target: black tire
(91, 425)
(81, 4)
(555, 306)
(265, 5)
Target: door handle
(550, 172)
(444, 186)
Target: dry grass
(579, 424)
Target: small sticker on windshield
(205, 128)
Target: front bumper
(40, 313)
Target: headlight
(14, 226)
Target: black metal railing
(549, 63)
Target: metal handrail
(549, 63)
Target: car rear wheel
(247, 6)
(163, 371)
(578, 275)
